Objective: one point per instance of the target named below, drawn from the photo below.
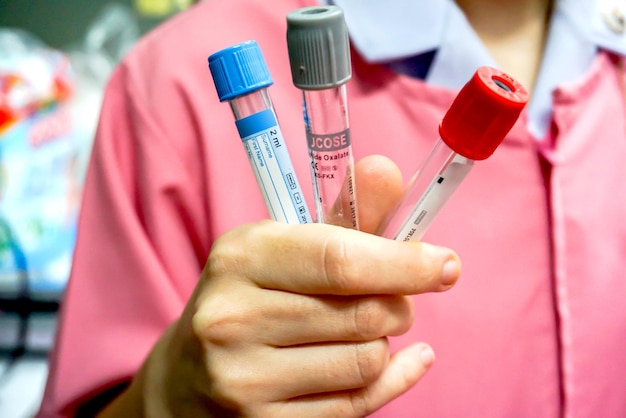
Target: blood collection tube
(241, 77)
(319, 54)
(480, 117)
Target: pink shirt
(535, 327)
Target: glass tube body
(426, 193)
(251, 103)
(332, 163)
(269, 158)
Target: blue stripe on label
(251, 125)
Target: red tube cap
(483, 113)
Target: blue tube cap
(238, 70)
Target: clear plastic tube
(266, 149)
(429, 189)
(250, 104)
(330, 150)
(479, 118)
(242, 78)
(319, 56)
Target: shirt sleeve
(140, 249)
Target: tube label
(435, 196)
(326, 143)
(332, 167)
(272, 167)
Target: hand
(292, 320)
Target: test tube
(479, 118)
(242, 78)
(319, 55)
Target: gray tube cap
(319, 48)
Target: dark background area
(63, 23)
(28, 323)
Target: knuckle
(219, 322)
(358, 403)
(370, 360)
(227, 253)
(340, 268)
(368, 319)
(229, 388)
(238, 386)
(236, 248)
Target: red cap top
(483, 113)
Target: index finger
(331, 260)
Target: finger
(369, 191)
(289, 319)
(404, 370)
(379, 187)
(324, 259)
(321, 368)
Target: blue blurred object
(40, 182)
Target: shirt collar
(579, 27)
(382, 33)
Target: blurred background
(55, 59)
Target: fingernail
(427, 356)
(450, 274)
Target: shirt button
(614, 17)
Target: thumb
(378, 182)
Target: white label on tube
(437, 193)
(272, 168)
